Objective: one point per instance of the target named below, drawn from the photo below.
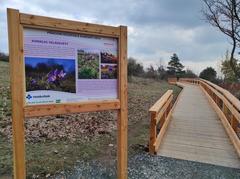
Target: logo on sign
(28, 96)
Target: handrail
(189, 80)
(231, 98)
(160, 114)
(226, 106)
(172, 80)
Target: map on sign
(67, 67)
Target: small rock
(48, 175)
(56, 151)
(110, 145)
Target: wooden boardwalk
(195, 132)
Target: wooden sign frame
(16, 23)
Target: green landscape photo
(88, 64)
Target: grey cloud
(187, 43)
(178, 12)
(157, 28)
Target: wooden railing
(226, 106)
(224, 103)
(189, 80)
(160, 116)
(172, 80)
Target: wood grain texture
(123, 112)
(48, 22)
(15, 32)
(153, 133)
(172, 80)
(196, 133)
(232, 99)
(53, 109)
(158, 105)
(163, 109)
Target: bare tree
(224, 14)
(161, 72)
(160, 65)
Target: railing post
(224, 109)
(217, 101)
(234, 123)
(153, 133)
(171, 103)
(214, 97)
(165, 116)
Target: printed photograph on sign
(108, 71)
(88, 64)
(62, 67)
(108, 57)
(50, 74)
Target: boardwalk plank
(201, 142)
(196, 133)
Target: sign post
(61, 67)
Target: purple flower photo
(108, 71)
(50, 74)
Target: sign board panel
(59, 66)
(62, 67)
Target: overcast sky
(156, 28)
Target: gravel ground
(145, 166)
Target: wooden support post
(208, 91)
(123, 112)
(169, 108)
(165, 116)
(15, 31)
(213, 97)
(153, 133)
(225, 111)
(217, 101)
(212, 94)
(234, 123)
(161, 122)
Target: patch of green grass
(6, 163)
(51, 157)
(4, 77)
(5, 103)
(56, 156)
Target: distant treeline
(176, 69)
(159, 72)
